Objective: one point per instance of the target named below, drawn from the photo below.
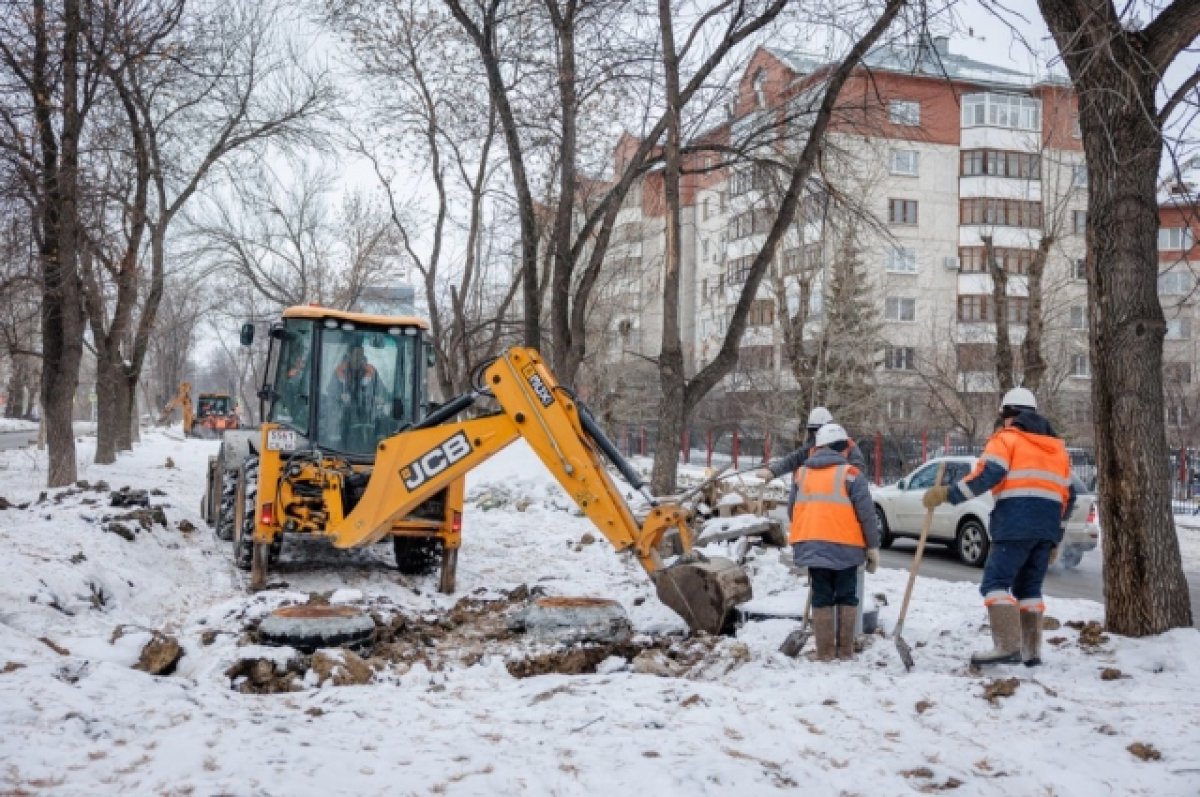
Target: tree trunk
(1004, 353)
(672, 413)
(108, 408)
(1145, 591)
(1033, 363)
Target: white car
(964, 526)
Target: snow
(17, 425)
(1187, 527)
(746, 720)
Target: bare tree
(1117, 66)
(281, 238)
(681, 394)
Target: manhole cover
(309, 626)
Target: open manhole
(308, 626)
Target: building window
(704, 247)
(897, 309)
(902, 211)
(1076, 130)
(1177, 373)
(1018, 309)
(899, 409)
(902, 260)
(1000, 212)
(1179, 328)
(976, 356)
(1079, 269)
(999, 163)
(1078, 317)
(1013, 261)
(1176, 283)
(756, 358)
(973, 308)
(1079, 221)
(707, 208)
(737, 269)
(899, 358)
(1081, 367)
(904, 112)
(762, 313)
(1175, 239)
(1001, 110)
(1176, 415)
(1079, 175)
(904, 162)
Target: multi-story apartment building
(932, 160)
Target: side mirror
(430, 355)
(247, 336)
(902, 484)
(397, 409)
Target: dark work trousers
(834, 587)
(1019, 565)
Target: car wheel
(1070, 557)
(972, 543)
(885, 535)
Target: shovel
(902, 646)
(796, 640)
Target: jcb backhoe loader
(348, 452)
(182, 400)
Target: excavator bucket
(703, 590)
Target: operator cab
(219, 406)
(344, 381)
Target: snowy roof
(927, 59)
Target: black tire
(972, 542)
(243, 533)
(417, 556)
(1070, 558)
(223, 526)
(885, 533)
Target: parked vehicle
(964, 527)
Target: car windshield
(214, 405)
(367, 382)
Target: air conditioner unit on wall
(950, 263)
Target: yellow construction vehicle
(215, 412)
(182, 400)
(348, 451)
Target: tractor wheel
(223, 526)
(244, 505)
(417, 556)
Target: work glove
(872, 560)
(765, 474)
(936, 496)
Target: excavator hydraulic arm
(415, 464)
(183, 400)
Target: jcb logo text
(433, 462)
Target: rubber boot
(1005, 619)
(1032, 610)
(822, 620)
(846, 615)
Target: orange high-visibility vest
(823, 512)
(1033, 471)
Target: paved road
(1083, 581)
(17, 439)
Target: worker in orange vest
(833, 532)
(818, 417)
(1027, 468)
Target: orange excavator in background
(349, 451)
(216, 412)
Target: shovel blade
(795, 642)
(905, 653)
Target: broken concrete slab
(573, 620)
(129, 497)
(722, 529)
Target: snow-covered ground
(17, 425)
(78, 603)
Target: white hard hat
(819, 417)
(1019, 397)
(831, 433)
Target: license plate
(281, 440)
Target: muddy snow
(449, 697)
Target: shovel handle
(916, 562)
